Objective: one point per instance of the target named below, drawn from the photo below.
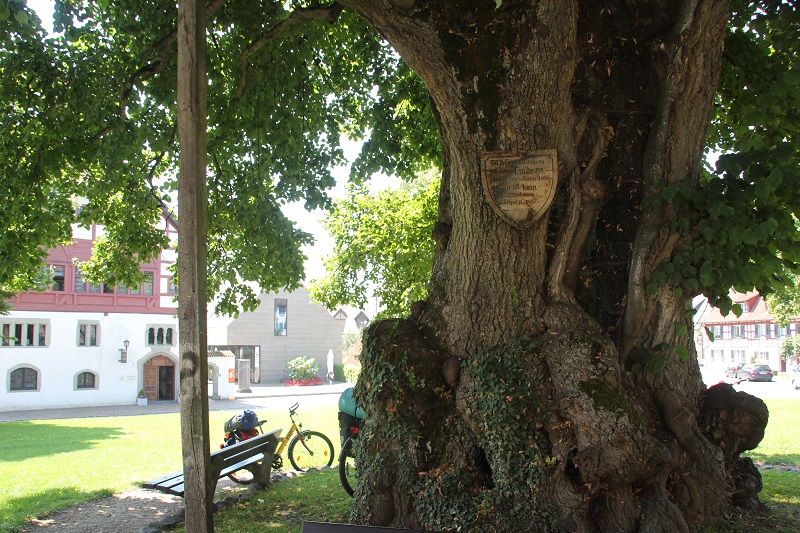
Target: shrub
(351, 373)
(338, 372)
(302, 368)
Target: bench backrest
(242, 450)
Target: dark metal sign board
(327, 527)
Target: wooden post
(192, 199)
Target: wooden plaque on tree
(520, 185)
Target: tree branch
(164, 50)
(586, 196)
(328, 13)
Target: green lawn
(46, 465)
(52, 464)
(781, 444)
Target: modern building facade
(286, 325)
(79, 344)
(753, 337)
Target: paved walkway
(244, 400)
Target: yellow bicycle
(307, 448)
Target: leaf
(658, 364)
(680, 329)
(682, 352)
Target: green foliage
(351, 373)
(789, 348)
(784, 303)
(349, 338)
(346, 373)
(302, 368)
(89, 115)
(338, 372)
(743, 216)
(382, 242)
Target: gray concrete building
(286, 325)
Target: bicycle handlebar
(293, 408)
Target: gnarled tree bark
(507, 402)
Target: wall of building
(62, 359)
(310, 331)
(59, 355)
(752, 337)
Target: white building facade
(79, 344)
(753, 337)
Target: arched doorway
(158, 377)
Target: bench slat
(240, 465)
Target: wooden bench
(253, 454)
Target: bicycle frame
(296, 427)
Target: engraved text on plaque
(520, 185)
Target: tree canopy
(538, 377)
(383, 247)
(89, 116)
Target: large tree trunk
(507, 401)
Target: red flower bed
(303, 382)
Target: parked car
(796, 378)
(732, 371)
(755, 373)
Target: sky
(308, 222)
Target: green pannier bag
(348, 405)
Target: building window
(58, 278)
(173, 287)
(28, 334)
(761, 331)
(86, 380)
(24, 378)
(108, 289)
(122, 289)
(147, 285)
(160, 335)
(280, 316)
(737, 332)
(80, 285)
(94, 289)
(88, 333)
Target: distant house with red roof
(753, 337)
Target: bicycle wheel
(310, 449)
(347, 467)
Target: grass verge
(52, 464)
(47, 465)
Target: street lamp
(123, 352)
